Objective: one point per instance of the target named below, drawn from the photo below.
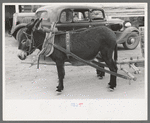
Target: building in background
(9, 11)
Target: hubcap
(131, 40)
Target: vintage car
(75, 17)
(20, 20)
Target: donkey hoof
(111, 89)
(100, 77)
(58, 90)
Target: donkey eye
(23, 41)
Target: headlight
(128, 24)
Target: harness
(68, 44)
(67, 51)
(49, 42)
(29, 42)
(48, 45)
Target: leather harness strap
(68, 43)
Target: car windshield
(42, 14)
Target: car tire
(20, 35)
(131, 42)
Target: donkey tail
(116, 53)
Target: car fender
(122, 35)
(17, 28)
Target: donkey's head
(26, 42)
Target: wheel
(131, 42)
(20, 35)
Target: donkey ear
(35, 21)
(38, 23)
(32, 23)
(40, 20)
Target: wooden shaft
(136, 70)
(121, 62)
(90, 63)
(129, 74)
(99, 63)
(134, 67)
(130, 61)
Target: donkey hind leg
(61, 74)
(112, 66)
(107, 56)
(100, 74)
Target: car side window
(66, 16)
(96, 15)
(81, 16)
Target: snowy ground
(24, 82)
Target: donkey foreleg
(100, 74)
(61, 74)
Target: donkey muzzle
(22, 54)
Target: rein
(31, 42)
(43, 43)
